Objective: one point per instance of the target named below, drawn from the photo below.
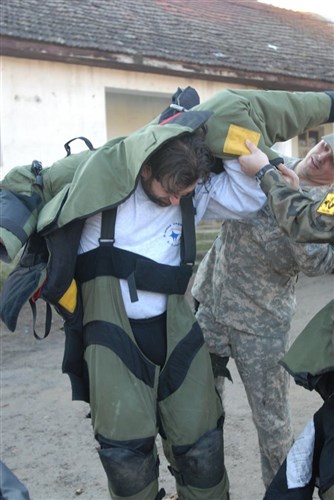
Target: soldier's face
(318, 165)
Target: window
(127, 111)
(308, 140)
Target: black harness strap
(108, 238)
(188, 236)
(175, 278)
(48, 319)
(108, 227)
(148, 274)
(86, 141)
(131, 279)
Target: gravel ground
(47, 440)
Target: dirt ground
(47, 440)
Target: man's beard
(161, 201)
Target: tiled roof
(209, 38)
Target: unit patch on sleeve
(235, 140)
(327, 205)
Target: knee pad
(130, 465)
(201, 465)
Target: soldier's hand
(290, 177)
(252, 163)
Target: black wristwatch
(262, 171)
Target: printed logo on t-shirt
(173, 234)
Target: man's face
(317, 168)
(158, 194)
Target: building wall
(44, 104)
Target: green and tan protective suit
(131, 398)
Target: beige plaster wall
(44, 104)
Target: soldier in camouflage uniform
(310, 360)
(300, 216)
(246, 289)
(290, 210)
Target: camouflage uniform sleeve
(313, 259)
(297, 214)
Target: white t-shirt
(147, 229)
(229, 195)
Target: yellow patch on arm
(235, 140)
(326, 207)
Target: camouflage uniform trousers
(265, 381)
